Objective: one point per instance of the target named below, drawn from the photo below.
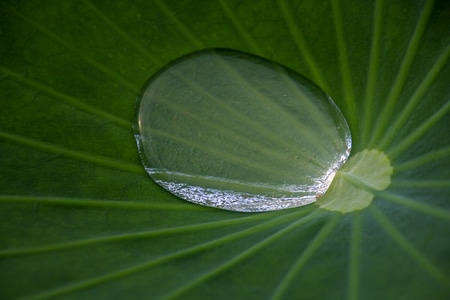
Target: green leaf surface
(80, 218)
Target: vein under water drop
(231, 130)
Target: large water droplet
(231, 130)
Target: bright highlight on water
(231, 130)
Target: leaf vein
(132, 87)
(409, 248)
(306, 255)
(77, 154)
(402, 74)
(70, 100)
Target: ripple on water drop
(231, 130)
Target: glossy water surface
(231, 130)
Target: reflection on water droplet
(231, 130)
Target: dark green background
(80, 219)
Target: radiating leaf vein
(241, 256)
(239, 28)
(146, 53)
(129, 85)
(408, 109)
(373, 71)
(422, 160)
(422, 184)
(83, 156)
(355, 258)
(306, 255)
(181, 27)
(114, 275)
(402, 75)
(302, 46)
(409, 248)
(130, 236)
(349, 93)
(99, 203)
(419, 132)
(419, 206)
(72, 101)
